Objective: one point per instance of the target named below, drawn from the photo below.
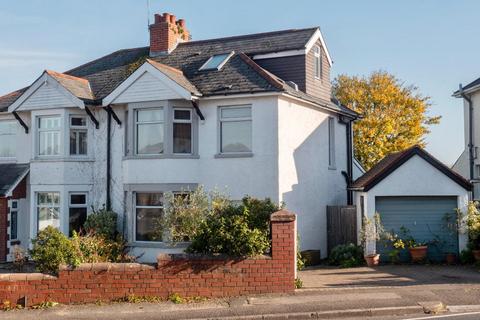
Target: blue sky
(431, 44)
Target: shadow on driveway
(391, 275)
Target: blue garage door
(425, 218)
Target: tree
(394, 115)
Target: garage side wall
(416, 177)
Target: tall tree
(394, 115)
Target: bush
(230, 231)
(466, 257)
(102, 222)
(93, 248)
(346, 256)
(52, 248)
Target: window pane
(150, 199)
(215, 61)
(236, 136)
(8, 127)
(13, 225)
(78, 121)
(49, 143)
(48, 217)
(236, 112)
(150, 115)
(146, 221)
(7, 145)
(182, 114)
(77, 217)
(49, 123)
(149, 138)
(78, 199)
(182, 138)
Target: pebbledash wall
(187, 275)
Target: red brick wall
(20, 191)
(3, 228)
(187, 275)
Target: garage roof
(394, 160)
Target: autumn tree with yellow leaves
(394, 116)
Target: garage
(424, 217)
(414, 190)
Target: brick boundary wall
(187, 275)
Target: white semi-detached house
(251, 115)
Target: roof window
(217, 61)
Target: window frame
(317, 56)
(37, 206)
(14, 135)
(12, 211)
(77, 129)
(174, 121)
(331, 143)
(136, 123)
(38, 130)
(221, 120)
(135, 207)
(73, 205)
(220, 65)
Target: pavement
(389, 292)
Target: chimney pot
(172, 19)
(181, 23)
(158, 18)
(166, 16)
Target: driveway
(388, 276)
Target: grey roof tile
(9, 175)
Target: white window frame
(204, 66)
(77, 129)
(331, 143)
(60, 136)
(37, 206)
(14, 134)
(12, 210)
(317, 62)
(135, 207)
(73, 205)
(190, 121)
(137, 123)
(245, 119)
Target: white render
(416, 177)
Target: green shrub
(466, 257)
(93, 248)
(102, 222)
(259, 212)
(346, 256)
(52, 248)
(230, 232)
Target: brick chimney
(165, 33)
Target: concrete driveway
(388, 276)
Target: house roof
(237, 76)
(472, 86)
(10, 175)
(79, 87)
(394, 160)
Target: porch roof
(11, 174)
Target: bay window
(78, 135)
(48, 210)
(77, 212)
(182, 131)
(148, 210)
(8, 130)
(236, 129)
(49, 132)
(149, 131)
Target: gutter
(470, 131)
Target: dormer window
(317, 53)
(216, 62)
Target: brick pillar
(284, 240)
(3, 228)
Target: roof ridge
(259, 34)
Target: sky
(432, 44)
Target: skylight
(217, 61)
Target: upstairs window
(317, 55)
(8, 130)
(331, 143)
(149, 131)
(78, 135)
(49, 131)
(182, 131)
(217, 61)
(236, 129)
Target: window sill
(63, 159)
(162, 156)
(161, 245)
(234, 155)
(332, 168)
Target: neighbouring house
(413, 189)
(468, 164)
(252, 115)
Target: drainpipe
(109, 126)
(470, 131)
(349, 162)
